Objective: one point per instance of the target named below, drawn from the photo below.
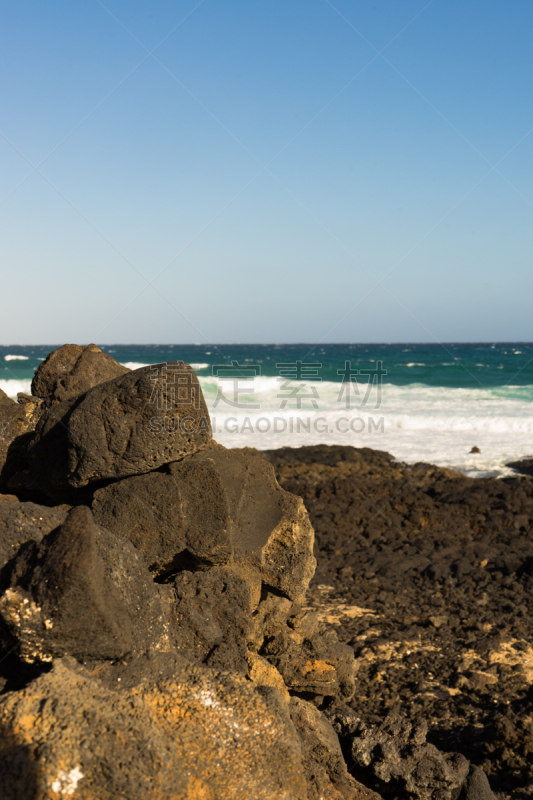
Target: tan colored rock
(325, 768)
(260, 671)
(8, 499)
(200, 735)
(315, 664)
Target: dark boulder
(394, 758)
(127, 426)
(477, 786)
(524, 466)
(176, 519)
(84, 593)
(73, 369)
(270, 527)
(212, 508)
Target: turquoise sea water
(418, 401)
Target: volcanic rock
(84, 593)
(271, 529)
(395, 758)
(73, 369)
(17, 421)
(25, 522)
(175, 518)
(114, 628)
(477, 786)
(262, 673)
(212, 617)
(325, 768)
(524, 466)
(420, 633)
(127, 426)
(314, 665)
(8, 499)
(214, 507)
(199, 735)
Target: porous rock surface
(198, 735)
(84, 593)
(73, 369)
(127, 426)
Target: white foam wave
(414, 423)
(12, 387)
(10, 357)
(199, 366)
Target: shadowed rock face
(127, 426)
(82, 592)
(212, 617)
(25, 522)
(73, 369)
(175, 519)
(17, 421)
(398, 761)
(325, 768)
(216, 507)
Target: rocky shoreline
(428, 575)
(172, 627)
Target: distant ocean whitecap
(138, 365)
(16, 358)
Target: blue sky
(268, 171)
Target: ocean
(420, 402)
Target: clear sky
(266, 171)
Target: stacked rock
(154, 638)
